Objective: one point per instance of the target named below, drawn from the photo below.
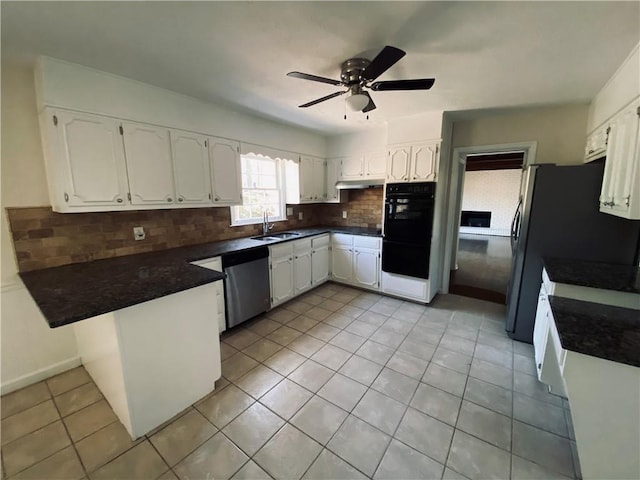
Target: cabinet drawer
(366, 242)
(342, 239)
(405, 287)
(303, 245)
(320, 241)
(281, 250)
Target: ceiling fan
(358, 73)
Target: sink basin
(276, 236)
(284, 235)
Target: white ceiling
(482, 54)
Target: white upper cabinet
(332, 176)
(375, 165)
(413, 163)
(596, 146)
(191, 168)
(150, 171)
(398, 164)
(226, 178)
(424, 162)
(372, 165)
(352, 168)
(85, 161)
(305, 180)
(620, 194)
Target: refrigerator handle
(515, 224)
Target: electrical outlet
(289, 211)
(344, 214)
(299, 215)
(138, 233)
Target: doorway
(486, 184)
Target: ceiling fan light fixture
(357, 101)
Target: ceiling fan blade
(328, 97)
(314, 78)
(370, 106)
(417, 84)
(383, 61)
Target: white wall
(73, 86)
(495, 191)
(560, 132)
(623, 87)
(370, 140)
(30, 350)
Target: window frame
(280, 187)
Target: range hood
(360, 183)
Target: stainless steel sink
(276, 236)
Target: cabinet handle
(66, 197)
(296, 257)
(591, 151)
(118, 200)
(169, 199)
(539, 366)
(627, 200)
(181, 199)
(290, 258)
(415, 178)
(217, 198)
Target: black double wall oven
(408, 224)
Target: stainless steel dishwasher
(246, 288)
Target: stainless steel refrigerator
(558, 216)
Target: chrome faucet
(266, 226)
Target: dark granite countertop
(602, 331)
(621, 278)
(71, 293)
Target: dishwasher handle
(244, 256)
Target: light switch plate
(300, 215)
(289, 211)
(344, 214)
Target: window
(262, 190)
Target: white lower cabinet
(356, 260)
(281, 273)
(301, 266)
(216, 264)
(295, 267)
(406, 287)
(320, 259)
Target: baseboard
(38, 375)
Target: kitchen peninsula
(145, 324)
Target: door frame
(456, 184)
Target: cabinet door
(226, 179)
(352, 168)
(398, 163)
(424, 163)
(342, 262)
(375, 165)
(541, 329)
(305, 179)
(281, 270)
(319, 172)
(301, 271)
(91, 154)
(149, 168)
(333, 175)
(624, 156)
(319, 265)
(366, 268)
(191, 168)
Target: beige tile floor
(336, 384)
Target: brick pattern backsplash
(364, 209)
(43, 238)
